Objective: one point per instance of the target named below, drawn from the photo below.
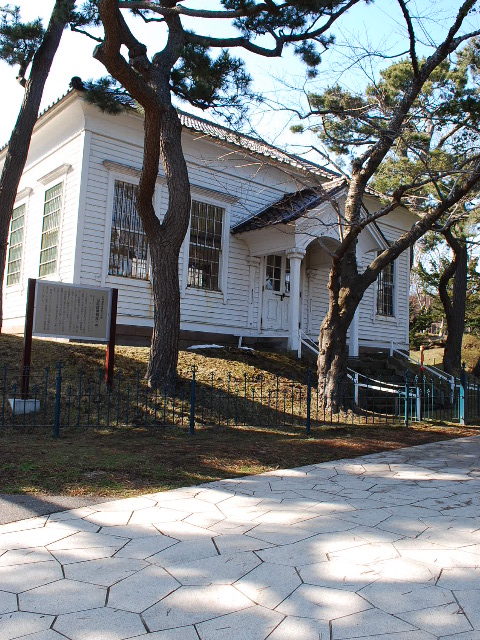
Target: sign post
(110, 359)
(27, 339)
(75, 312)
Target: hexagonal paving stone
(31, 538)
(295, 555)
(183, 633)
(223, 569)
(87, 540)
(442, 620)
(366, 554)
(192, 605)
(408, 570)
(109, 518)
(8, 602)
(188, 551)
(269, 584)
(63, 596)
(14, 625)
(305, 628)
(234, 543)
(69, 556)
(99, 624)
(322, 603)
(142, 548)
(255, 623)
(470, 603)
(104, 572)
(25, 556)
(49, 634)
(338, 573)
(396, 597)
(142, 589)
(368, 624)
(16, 579)
(460, 577)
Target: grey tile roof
(292, 206)
(251, 144)
(219, 132)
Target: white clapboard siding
(252, 186)
(97, 148)
(68, 155)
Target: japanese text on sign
(69, 311)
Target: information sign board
(72, 311)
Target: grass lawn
(470, 353)
(122, 462)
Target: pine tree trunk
(454, 308)
(19, 142)
(332, 341)
(163, 132)
(162, 365)
(332, 361)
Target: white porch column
(253, 263)
(295, 256)
(353, 342)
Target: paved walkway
(16, 506)
(383, 546)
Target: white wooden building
(255, 261)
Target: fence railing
(61, 401)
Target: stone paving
(385, 546)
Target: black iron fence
(59, 401)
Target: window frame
(129, 276)
(224, 250)
(133, 179)
(57, 181)
(394, 266)
(23, 198)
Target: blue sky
(377, 26)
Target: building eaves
(292, 206)
(212, 130)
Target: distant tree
(447, 273)
(185, 67)
(412, 135)
(32, 48)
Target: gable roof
(210, 129)
(292, 206)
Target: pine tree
(186, 67)
(412, 135)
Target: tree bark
(163, 132)
(455, 307)
(332, 342)
(19, 142)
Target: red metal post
(27, 338)
(110, 359)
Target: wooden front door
(276, 293)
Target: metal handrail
(371, 383)
(432, 370)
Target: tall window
(51, 224)
(385, 285)
(14, 264)
(205, 246)
(128, 242)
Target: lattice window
(287, 275)
(205, 246)
(128, 242)
(273, 273)
(385, 287)
(51, 224)
(14, 264)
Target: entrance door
(276, 293)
